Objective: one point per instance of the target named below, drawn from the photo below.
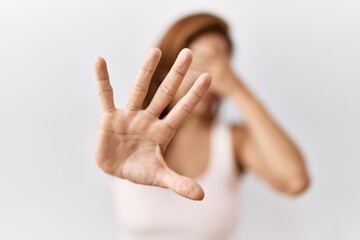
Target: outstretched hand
(131, 141)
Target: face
(207, 49)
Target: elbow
(296, 186)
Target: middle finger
(171, 83)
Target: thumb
(181, 185)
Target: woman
(169, 136)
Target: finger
(171, 83)
(143, 78)
(105, 90)
(181, 185)
(188, 103)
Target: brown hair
(179, 36)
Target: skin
(131, 142)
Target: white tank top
(149, 213)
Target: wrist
(236, 88)
(242, 96)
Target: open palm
(131, 141)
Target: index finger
(143, 78)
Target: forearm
(279, 154)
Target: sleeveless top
(149, 213)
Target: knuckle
(196, 95)
(133, 108)
(186, 108)
(105, 91)
(147, 68)
(180, 72)
(110, 109)
(152, 111)
(169, 125)
(184, 186)
(102, 79)
(139, 88)
(167, 91)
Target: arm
(260, 145)
(263, 147)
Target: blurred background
(301, 57)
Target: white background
(301, 57)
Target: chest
(189, 154)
